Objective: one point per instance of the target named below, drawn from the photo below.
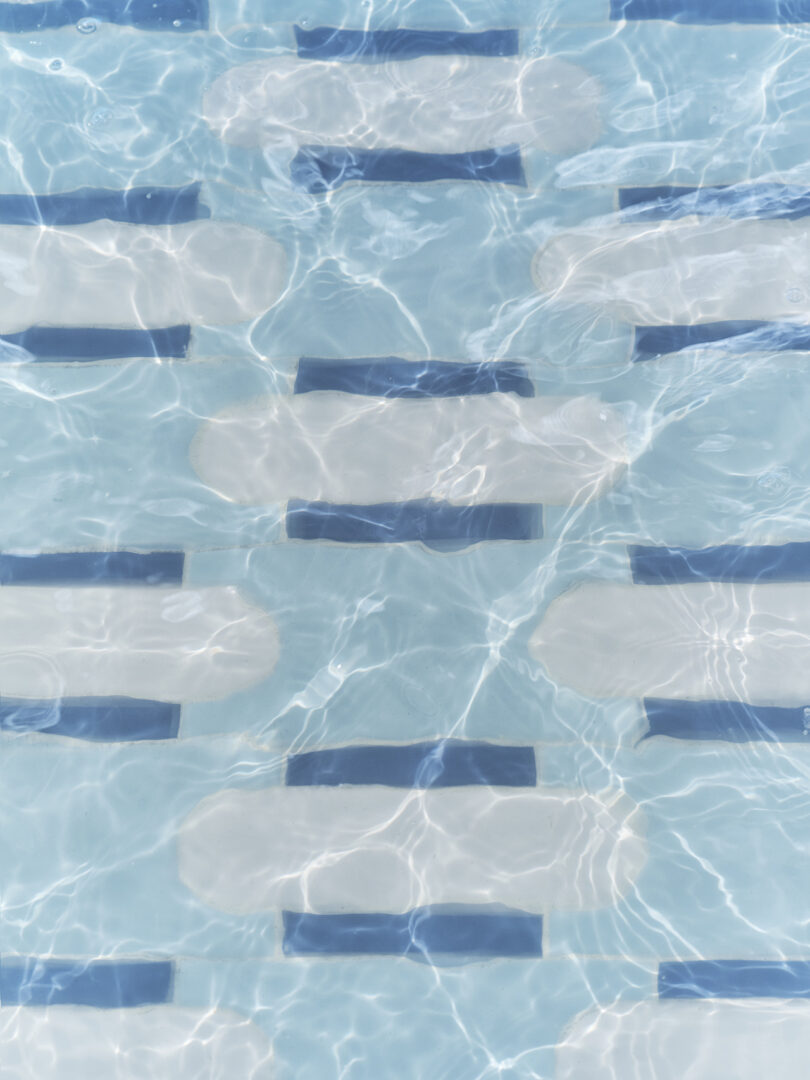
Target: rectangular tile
(422, 933)
(318, 169)
(101, 719)
(726, 721)
(713, 11)
(102, 984)
(726, 562)
(433, 523)
(332, 43)
(734, 979)
(88, 567)
(651, 342)
(446, 763)
(57, 343)
(731, 201)
(393, 377)
(138, 206)
(168, 15)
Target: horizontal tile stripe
(726, 562)
(422, 933)
(140, 206)
(87, 567)
(734, 979)
(713, 11)
(102, 984)
(168, 15)
(56, 343)
(654, 341)
(726, 721)
(100, 719)
(318, 169)
(331, 43)
(445, 763)
(732, 201)
(393, 377)
(433, 523)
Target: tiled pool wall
(305, 774)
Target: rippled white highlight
(157, 1043)
(701, 1040)
(705, 641)
(144, 642)
(434, 104)
(682, 271)
(367, 849)
(347, 448)
(113, 274)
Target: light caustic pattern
(164, 1043)
(711, 641)
(343, 448)
(112, 274)
(432, 104)
(159, 643)
(377, 849)
(625, 852)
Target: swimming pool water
(404, 558)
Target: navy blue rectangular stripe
(734, 979)
(331, 43)
(732, 201)
(420, 934)
(102, 984)
(169, 15)
(437, 524)
(726, 721)
(727, 562)
(94, 719)
(102, 567)
(57, 343)
(139, 206)
(654, 341)
(392, 377)
(317, 169)
(445, 763)
(713, 11)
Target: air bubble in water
(99, 117)
(55, 65)
(775, 480)
(87, 26)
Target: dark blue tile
(654, 341)
(139, 206)
(728, 562)
(331, 43)
(88, 567)
(168, 15)
(734, 201)
(446, 763)
(94, 719)
(437, 524)
(58, 343)
(734, 979)
(726, 721)
(713, 11)
(420, 934)
(101, 983)
(392, 377)
(317, 169)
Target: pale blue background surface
(390, 642)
